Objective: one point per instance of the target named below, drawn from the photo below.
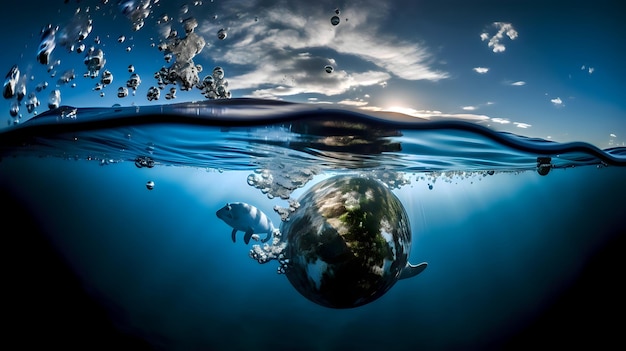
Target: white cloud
(427, 114)
(481, 70)
(469, 108)
(522, 125)
(613, 135)
(280, 53)
(557, 101)
(495, 41)
(500, 120)
(358, 102)
(519, 83)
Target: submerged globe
(348, 243)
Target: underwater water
(112, 237)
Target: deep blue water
(94, 258)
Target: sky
(552, 70)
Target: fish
(246, 218)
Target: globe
(348, 243)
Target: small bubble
(121, 39)
(131, 68)
(329, 69)
(150, 185)
(335, 20)
(218, 73)
(15, 109)
(107, 77)
(122, 92)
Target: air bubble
(150, 185)
(10, 82)
(153, 93)
(15, 109)
(122, 92)
(107, 77)
(221, 34)
(329, 69)
(47, 44)
(94, 60)
(134, 81)
(335, 20)
(218, 73)
(54, 99)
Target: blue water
(96, 259)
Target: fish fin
(268, 237)
(246, 238)
(234, 233)
(411, 270)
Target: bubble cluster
(215, 86)
(154, 93)
(136, 11)
(144, 161)
(394, 180)
(134, 81)
(273, 251)
(66, 77)
(178, 50)
(281, 179)
(73, 35)
(68, 112)
(285, 212)
(32, 102)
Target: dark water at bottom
(95, 260)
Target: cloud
(519, 83)
(469, 108)
(427, 114)
(358, 102)
(495, 41)
(481, 70)
(557, 101)
(522, 125)
(613, 135)
(281, 49)
(500, 120)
